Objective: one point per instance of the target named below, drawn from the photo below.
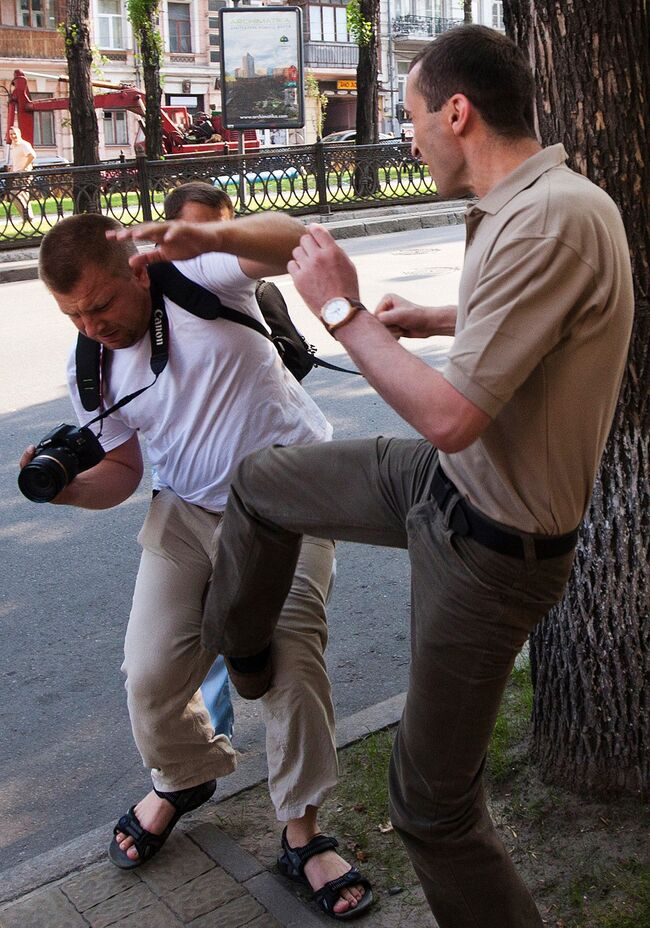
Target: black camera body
(62, 454)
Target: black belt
(467, 521)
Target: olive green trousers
(472, 611)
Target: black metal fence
(306, 179)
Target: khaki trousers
(165, 664)
(472, 611)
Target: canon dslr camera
(64, 452)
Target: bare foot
(154, 814)
(322, 868)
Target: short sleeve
(529, 293)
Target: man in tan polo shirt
(489, 499)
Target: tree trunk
(591, 656)
(467, 11)
(150, 52)
(367, 75)
(83, 119)
(365, 175)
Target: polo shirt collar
(523, 176)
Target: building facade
(191, 71)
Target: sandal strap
(329, 894)
(298, 856)
(145, 842)
(186, 800)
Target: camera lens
(47, 474)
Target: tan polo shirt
(544, 320)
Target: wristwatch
(338, 311)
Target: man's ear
(459, 112)
(142, 276)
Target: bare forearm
(419, 394)
(102, 487)
(445, 320)
(269, 239)
(262, 243)
(405, 319)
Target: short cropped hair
(197, 191)
(485, 66)
(77, 242)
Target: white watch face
(336, 310)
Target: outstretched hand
(176, 240)
(321, 270)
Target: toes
(341, 905)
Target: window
(402, 73)
(341, 24)
(214, 56)
(111, 31)
(180, 29)
(43, 124)
(213, 22)
(115, 128)
(328, 24)
(214, 5)
(44, 130)
(37, 14)
(329, 29)
(214, 39)
(497, 15)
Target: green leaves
(359, 28)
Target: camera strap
(159, 337)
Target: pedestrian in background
(22, 161)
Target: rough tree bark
(143, 15)
(83, 118)
(467, 11)
(591, 657)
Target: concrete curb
(87, 849)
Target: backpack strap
(88, 355)
(196, 299)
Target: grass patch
(360, 813)
(587, 863)
(505, 753)
(614, 898)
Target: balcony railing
(425, 27)
(334, 55)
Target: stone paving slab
(48, 908)
(200, 879)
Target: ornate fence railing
(305, 179)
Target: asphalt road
(67, 761)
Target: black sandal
(145, 842)
(291, 864)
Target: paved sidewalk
(200, 879)
(22, 264)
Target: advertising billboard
(261, 68)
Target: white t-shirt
(20, 154)
(223, 394)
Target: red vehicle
(181, 136)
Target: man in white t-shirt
(22, 159)
(223, 393)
